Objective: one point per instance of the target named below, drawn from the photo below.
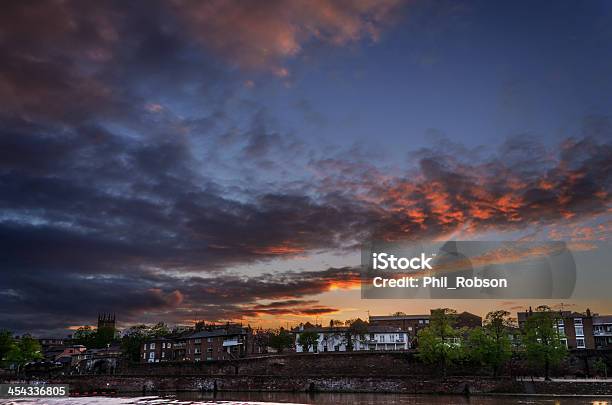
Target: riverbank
(340, 384)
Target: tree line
(18, 351)
(539, 342)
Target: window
(209, 350)
(152, 355)
(198, 341)
(169, 345)
(426, 320)
(145, 346)
(163, 354)
(144, 356)
(152, 346)
(579, 330)
(209, 340)
(580, 343)
(163, 345)
(577, 321)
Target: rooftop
(602, 319)
(215, 333)
(398, 317)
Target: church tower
(106, 321)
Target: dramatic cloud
(137, 177)
(263, 35)
(87, 208)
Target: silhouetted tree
(308, 339)
(281, 340)
(542, 340)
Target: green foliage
(357, 330)
(85, 336)
(23, 351)
(132, 340)
(6, 343)
(135, 337)
(280, 340)
(542, 341)
(160, 329)
(491, 345)
(438, 341)
(308, 339)
(103, 337)
(601, 367)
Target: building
(99, 361)
(413, 323)
(52, 347)
(48, 342)
(467, 320)
(157, 349)
(106, 321)
(224, 342)
(218, 343)
(71, 355)
(336, 339)
(602, 331)
(575, 328)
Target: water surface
(250, 398)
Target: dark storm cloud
(97, 220)
(138, 296)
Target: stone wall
(452, 385)
(399, 372)
(306, 364)
(352, 364)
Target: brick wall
(148, 385)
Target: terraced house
(576, 328)
(215, 343)
(336, 339)
(602, 331)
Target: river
(245, 398)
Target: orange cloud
(261, 35)
(284, 249)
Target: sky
(224, 160)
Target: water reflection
(382, 399)
(246, 398)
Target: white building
(336, 339)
